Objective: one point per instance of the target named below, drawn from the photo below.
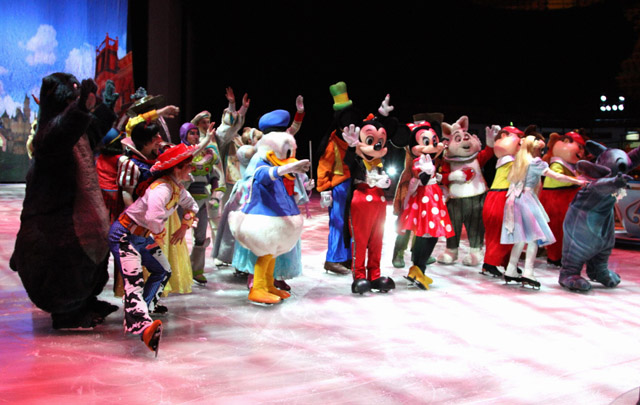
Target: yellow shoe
(418, 278)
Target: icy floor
(469, 340)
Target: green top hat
(340, 96)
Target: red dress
(425, 213)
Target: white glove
(425, 165)
(300, 166)
(457, 176)
(380, 180)
(385, 108)
(310, 185)
(351, 135)
(490, 135)
(384, 181)
(326, 199)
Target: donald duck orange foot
(263, 290)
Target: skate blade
(262, 304)
(530, 286)
(157, 335)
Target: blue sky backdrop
(40, 37)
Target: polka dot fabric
(426, 213)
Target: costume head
(507, 141)
(612, 159)
(373, 140)
(569, 147)
(424, 140)
(58, 90)
(461, 144)
(277, 148)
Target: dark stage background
(492, 64)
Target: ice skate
(528, 279)
(488, 269)
(151, 336)
(198, 277)
(360, 286)
(383, 284)
(418, 278)
(449, 256)
(159, 310)
(240, 274)
(198, 260)
(532, 282)
(282, 285)
(512, 274)
(336, 268)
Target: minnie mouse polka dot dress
(426, 212)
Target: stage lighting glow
(621, 107)
(392, 171)
(602, 108)
(621, 98)
(608, 108)
(603, 98)
(615, 107)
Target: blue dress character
(269, 224)
(525, 220)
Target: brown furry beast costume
(61, 249)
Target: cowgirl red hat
(173, 156)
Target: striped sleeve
(128, 172)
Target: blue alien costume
(589, 226)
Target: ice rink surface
(469, 340)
